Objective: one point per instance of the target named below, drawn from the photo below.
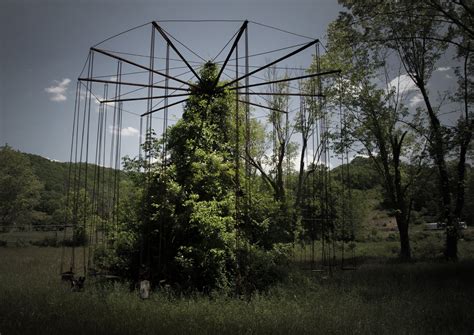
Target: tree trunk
(402, 216)
(402, 224)
(299, 190)
(451, 251)
(438, 152)
(465, 130)
(280, 192)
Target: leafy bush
(259, 269)
(120, 256)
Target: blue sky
(44, 45)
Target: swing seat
(77, 285)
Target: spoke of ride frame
(287, 94)
(234, 45)
(271, 63)
(262, 106)
(158, 28)
(161, 108)
(147, 98)
(289, 79)
(141, 66)
(130, 84)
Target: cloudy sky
(44, 44)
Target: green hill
(54, 178)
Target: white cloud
(129, 131)
(403, 83)
(126, 131)
(443, 69)
(415, 100)
(57, 92)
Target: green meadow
(382, 296)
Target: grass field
(382, 296)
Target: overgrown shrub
(259, 269)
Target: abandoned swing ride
(147, 85)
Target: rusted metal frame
(234, 45)
(130, 84)
(263, 106)
(289, 79)
(287, 94)
(147, 98)
(271, 63)
(161, 108)
(162, 33)
(141, 66)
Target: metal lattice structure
(153, 89)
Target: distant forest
(33, 188)
(45, 205)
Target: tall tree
(192, 233)
(279, 149)
(310, 112)
(191, 200)
(376, 116)
(419, 37)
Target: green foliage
(185, 217)
(362, 174)
(19, 188)
(260, 269)
(119, 252)
(54, 177)
(420, 34)
(185, 232)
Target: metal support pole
(237, 140)
(247, 134)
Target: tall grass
(419, 298)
